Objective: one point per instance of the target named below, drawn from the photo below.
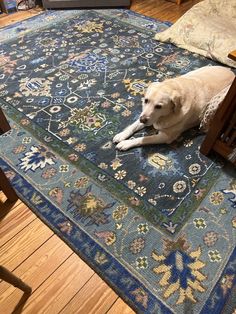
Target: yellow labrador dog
(175, 105)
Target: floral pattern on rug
(83, 82)
(157, 223)
(171, 275)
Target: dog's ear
(176, 100)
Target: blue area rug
(157, 223)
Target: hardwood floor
(165, 10)
(61, 281)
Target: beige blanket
(208, 28)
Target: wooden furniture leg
(222, 133)
(219, 121)
(3, 7)
(7, 276)
(6, 187)
(4, 125)
(178, 2)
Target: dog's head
(161, 99)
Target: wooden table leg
(4, 125)
(224, 116)
(3, 6)
(6, 187)
(7, 276)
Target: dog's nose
(143, 120)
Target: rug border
(87, 260)
(126, 296)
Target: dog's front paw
(124, 145)
(119, 137)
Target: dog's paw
(119, 137)
(124, 145)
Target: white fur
(180, 102)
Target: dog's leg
(130, 130)
(160, 138)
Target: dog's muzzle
(143, 120)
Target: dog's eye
(145, 100)
(158, 106)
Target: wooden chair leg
(4, 125)
(6, 187)
(3, 7)
(7, 276)
(178, 2)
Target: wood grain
(101, 297)
(3, 199)
(16, 220)
(120, 307)
(34, 271)
(162, 9)
(60, 287)
(18, 16)
(16, 250)
(232, 55)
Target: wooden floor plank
(18, 16)
(2, 198)
(34, 271)
(164, 10)
(101, 297)
(16, 250)
(16, 220)
(120, 307)
(60, 287)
